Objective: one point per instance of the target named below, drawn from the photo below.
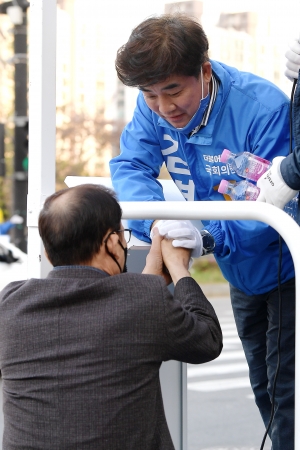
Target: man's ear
(112, 243)
(207, 71)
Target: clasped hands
(174, 244)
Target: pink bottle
(243, 190)
(246, 164)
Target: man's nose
(166, 105)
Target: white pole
(42, 124)
(269, 214)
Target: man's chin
(179, 123)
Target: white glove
(16, 219)
(184, 234)
(293, 60)
(273, 189)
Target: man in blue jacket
(188, 110)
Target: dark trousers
(257, 321)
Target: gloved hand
(293, 60)
(16, 219)
(184, 234)
(273, 189)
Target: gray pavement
(222, 414)
(215, 290)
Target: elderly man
(80, 351)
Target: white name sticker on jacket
(176, 165)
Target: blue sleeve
(135, 170)
(239, 240)
(5, 227)
(272, 134)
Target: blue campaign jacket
(249, 114)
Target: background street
(222, 414)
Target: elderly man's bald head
(74, 222)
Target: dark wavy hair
(170, 44)
(74, 222)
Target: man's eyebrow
(169, 86)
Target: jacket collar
(77, 272)
(226, 80)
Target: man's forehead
(161, 86)
(172, 82)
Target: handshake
(185, 235)
(174, 244)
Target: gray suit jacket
(80, 354)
